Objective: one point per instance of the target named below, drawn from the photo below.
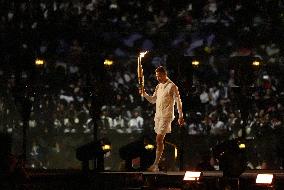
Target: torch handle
(140, 76)
(140, 85)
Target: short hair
(161, 69)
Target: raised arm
(152, 99)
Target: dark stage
(75, 179)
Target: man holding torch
(166, 95)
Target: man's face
(161, 77)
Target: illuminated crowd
(75, 37)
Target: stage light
(142, 149)
(242, 146)
(106, 147)
(264, 179)
(256, 63)
(93, 151)
(39, 61)
(149, 147)
(191, 176)
(175, 148)
(176, 152)
(195, 63)
(192, 180)
(265, 77)
(108, 62)
(231, 157)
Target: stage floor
(213, 180)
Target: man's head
(161, 74)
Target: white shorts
(163, 125)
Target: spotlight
(242, 146)
(192, 176)
(93, 151)
(192, 180)
(108, 62)
(231, 156)
(106, 148)
(256, 63)
(142, 150)
(264, 179)
(175, 147)
(149, 147)
(195, 63)
(176, 152)
(39, 61)
(265, 77)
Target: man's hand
(141, 91)
(181, 121)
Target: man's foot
(153, 168)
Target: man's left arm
(179, 105)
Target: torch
(140, 71)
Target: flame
(142, 54)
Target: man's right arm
(152, 99)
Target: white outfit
(165, 97)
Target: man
(165, 96)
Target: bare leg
(159, 152)
(160, 148)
